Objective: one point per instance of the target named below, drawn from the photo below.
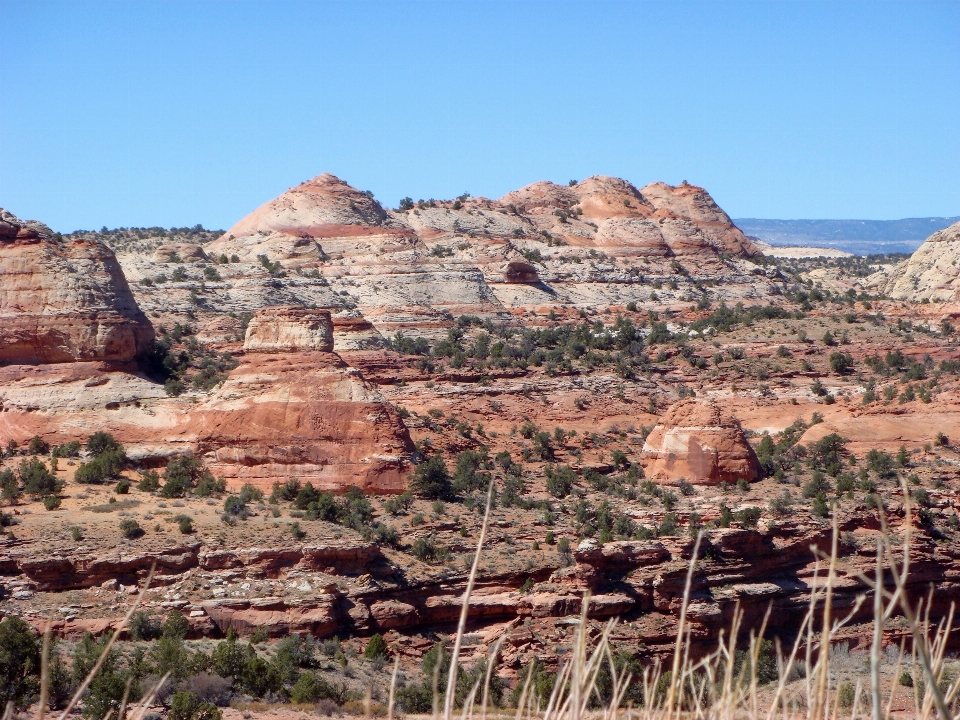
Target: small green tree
(560, 480)
(310, 688)
(149, 481)
(176, 625)
(19, 662)
(841, 363)
(37, 480)
(143, 627)
(229, 657)
(9, 487)
(38, 446)
(101, 442)
(431, 479)
(376, 648)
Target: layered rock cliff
(291, 407)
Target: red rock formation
(63, 301)
(657, 220)
(132, 566)
(701, 443)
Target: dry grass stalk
(464, 612)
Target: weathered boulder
(701, 443)
(283, 329)
(63, 301)
(518, 271)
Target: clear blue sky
(174, 113)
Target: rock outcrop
(82, 569)
(695, 205)
(179, 252)
(64, 301)
(931, 273)
(305, 415)
(285, 329)
(701, 443)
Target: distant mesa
(701, 443)
(64, 301)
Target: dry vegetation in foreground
(729, 682)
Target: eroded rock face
(63, 301)
(701, 443)
(931, 273)
(283, 329)
(352, 331)
(609, 212)
(695, 204)
(278, 415)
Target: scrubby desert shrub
(130, 528)
(187, 705)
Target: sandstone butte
(307, 294)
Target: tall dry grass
(707, 687)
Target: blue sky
(174, 113)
